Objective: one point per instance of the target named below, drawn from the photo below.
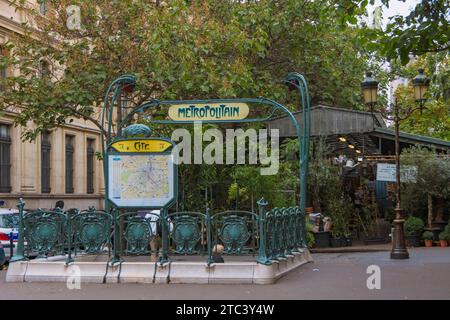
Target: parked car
(9, 224)
(2, 256)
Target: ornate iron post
(69, 239)
(370, 88)
(21, 242)
(165, 225)
(209, 237)
(262, 254)
(124, 82)
(398, 240)
(297, 81)
(116, 240)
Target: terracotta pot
(428, 243)
(444, 243)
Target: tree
(433, 175)
(434, 119)
(178, 50)
(424, 30)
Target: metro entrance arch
(187, 112)
(140, 175)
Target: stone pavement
(356, 247)
(426, 275)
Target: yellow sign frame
(141, 145)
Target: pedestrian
(156, 230)
(217, 253)
(59, 205)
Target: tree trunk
(430, 210)
(440, 210)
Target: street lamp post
(370, 88)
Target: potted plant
(413, 229)
(428, 238)
(443, 238)
(337, 240)
(347, 239)
(340, 212)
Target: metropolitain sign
(209, 112)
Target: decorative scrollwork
(186, 234)
(234, 234)
(92, 229)
(44, 232)
(138, 234)
(137, 130)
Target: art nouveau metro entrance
(114, 245)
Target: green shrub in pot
(413, 230)
(414, 226)
(427, 235)
(444, 236)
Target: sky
(396, 7)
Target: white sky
(396, 7)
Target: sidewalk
(357, 247)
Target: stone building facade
(60, 165)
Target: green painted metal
(137, 130)
(138, 234)
(165, 232)
(275, 231)
(262, 222)
(45, 232)
(234, 230)
(187, 231)
(278, 233)
(90, 230)
(234, 234)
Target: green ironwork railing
(269, 235)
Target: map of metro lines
(140, 180)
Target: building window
(69, 163)
(5, 159)
(46, 149)
(90, 153)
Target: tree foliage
(425, 29)
(178, 50)
(434, 119)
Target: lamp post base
(398, 241)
